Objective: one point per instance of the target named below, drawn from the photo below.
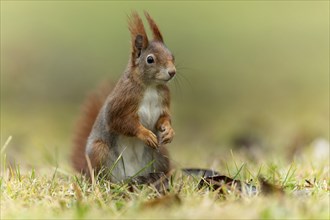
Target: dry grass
(55, 193)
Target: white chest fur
(134, 150)
(150, 108)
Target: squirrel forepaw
(149, 138)
(166, 134)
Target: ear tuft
(138, 34)
(154, 28)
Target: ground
(53, 192)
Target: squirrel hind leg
(98, 155)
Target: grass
(56, 192)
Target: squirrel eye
(150, 59)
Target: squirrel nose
(171, 73)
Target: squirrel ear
(153, 26)
(138, 43)
(138, 34)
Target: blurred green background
(253, 75)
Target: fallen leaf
(163, 201)
(77, 191)
(200, 172)
(269, 188)
(224, 184)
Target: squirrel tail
(89, 113)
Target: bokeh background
(253, 75)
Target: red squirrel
(134, 119)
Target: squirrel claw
(152, 141)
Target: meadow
(250, 100)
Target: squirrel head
(152, 60)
